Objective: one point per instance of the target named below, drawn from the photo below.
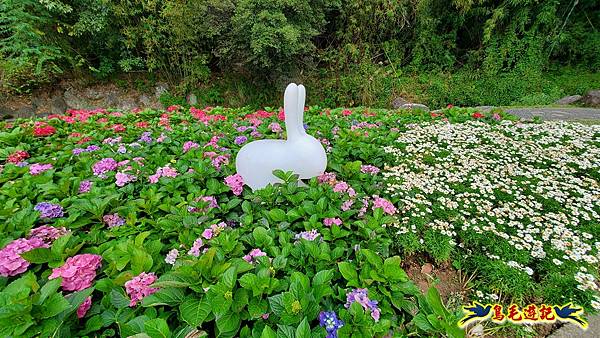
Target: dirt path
(558, 113)
(574, 331)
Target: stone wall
(57, 99)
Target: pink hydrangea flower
(169, 172)
(122, 179)
(139, 287)
(212, 203)
(275, 127)
(84, 307)
(369, 169)
(165, 171)
(331, 221)
(187, 146)
(384, 204)
(11, 262)
(207, 233)
(236, 183)
(250, 257)
(340, 187)
(363, 209)
(213, 142)
(47, 233)
(347, 205)
(328, 178)
(78, 272)
(171, 257)
(214, 230)
(36, 168)
(195, 249)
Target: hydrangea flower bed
(135, 223)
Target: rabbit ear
(290, 107)
(301, 98)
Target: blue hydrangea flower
(331, 323)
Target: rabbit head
(299, 153)
(310, 158)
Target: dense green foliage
(327, 41)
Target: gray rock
(17, 110)
(74, 99)
(485, 108)
(57, 105)
(111, 100)
(145, 101)
(160, 89)
(93, 93)
(568, 99)
(25, 111)
(192, 99)
(126, 103)
(398, 102)
(591, 98)
(414, 106)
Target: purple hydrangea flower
(103, 166)
(146, 137)
(308, 235)
(78, 151)
(85, 186)
(240, 139)
(49, 210)
(361, 296)
(113, 220)
(331, 323)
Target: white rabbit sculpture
(300, 153)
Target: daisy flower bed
(136, 223)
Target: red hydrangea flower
(118, 128)
(44, 131)
(84, 140)
(477, 115)
(173, 108)
(142, 124)
(17, 156)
